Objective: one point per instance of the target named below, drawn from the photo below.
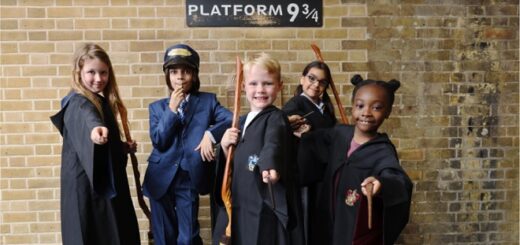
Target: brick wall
(455, 120)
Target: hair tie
(394, 85)
(356, 79)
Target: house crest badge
(252, 161)
(351, 197)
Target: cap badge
(179, 51)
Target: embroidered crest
(253, 159)
(351, 197)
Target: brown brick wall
(455, 121)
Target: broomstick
(344, 119)
(226, 183)
(124, 121)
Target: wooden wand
(369, 188)
(226, 183)
(135, 167)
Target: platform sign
(261, 13)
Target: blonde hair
(265, 61)
(89, 51)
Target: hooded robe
(266, 144)
(96, 207)
(303, 106)
(322, 156)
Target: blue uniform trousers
(174, 216)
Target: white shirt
(250, 116)
(320, 106)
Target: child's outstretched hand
(270, 175)
(375, 183)
(230, 137)
(99, 135)
(206, 148)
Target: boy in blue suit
(183, 129)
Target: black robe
(96, 207)
(301, 105)
(323, 156)
(267, 144)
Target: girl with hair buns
(95, 198)
(349, 157)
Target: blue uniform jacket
(174, 142)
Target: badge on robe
(253, 159)
(351, 197)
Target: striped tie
(181, 110)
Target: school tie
(181, 110)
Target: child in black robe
(264, 153)
(346, 158)
(96, 207)
(311, 105)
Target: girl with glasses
(311, 106)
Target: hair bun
(394, 85)
(356, 79)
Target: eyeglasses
(314, 80)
